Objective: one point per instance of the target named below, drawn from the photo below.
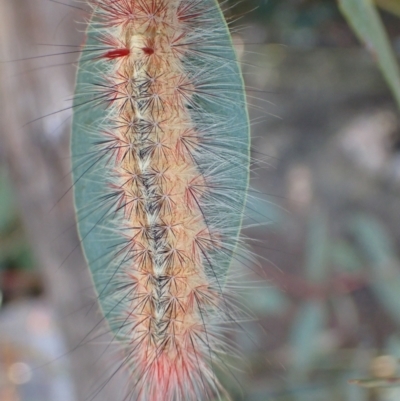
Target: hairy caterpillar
(160, 109)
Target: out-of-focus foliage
(310, 23)
(14, 250)
(364, 19)
(324, 293)
(16, 261)
(393, 6)
(7, 210)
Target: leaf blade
(366, 23)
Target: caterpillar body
(161, 111)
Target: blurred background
(323, 219)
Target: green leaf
(392, 6)
(307, 326)
(267, 301)
(7, 208)
(392, 346)
(312, 314)
(99, 225)
(317, 248)
(345, 257)
(379, 251)
(366, 23)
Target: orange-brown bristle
(171, 130)
(149, 86)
